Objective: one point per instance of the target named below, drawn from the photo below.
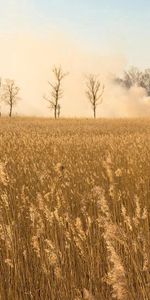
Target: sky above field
(83, 36)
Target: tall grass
(74, 209)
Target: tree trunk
(58, 111)
(94, 109)
(55, 112)
(10, 112)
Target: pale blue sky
(112, 25)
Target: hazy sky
(83, 35)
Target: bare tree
(56, 92)
(10, 94)
(94, 91)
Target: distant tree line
(135, 77)
(9, 92)
(94, 88)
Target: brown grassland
(74, 209)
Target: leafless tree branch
(56, 92)
(94, 91)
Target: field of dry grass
(74, 209)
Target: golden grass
(74, 209)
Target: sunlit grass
(74, 209)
